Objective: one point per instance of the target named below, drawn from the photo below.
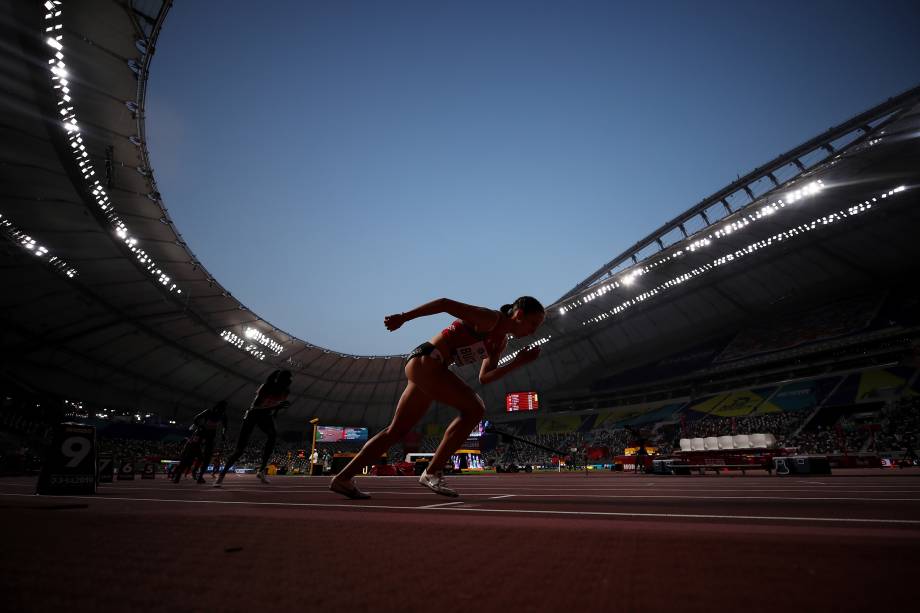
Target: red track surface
(559, 542)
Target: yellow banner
(737, 404)
(559, 423)
(877, 384)
(616, 415)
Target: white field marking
(441, 504)
(570, 496)
(594, 477)
(695, 486)
(574, 496)
(626, 496)
(709, 487)
(837, 520)
(549, 491)
(389, 487)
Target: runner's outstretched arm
(480, 318)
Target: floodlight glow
(59, 81)
(749, 249)
(513, 354)
(739, 223)
(264, 340)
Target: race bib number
(471, 354)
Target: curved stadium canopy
(102, 300)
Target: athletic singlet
(210, 422)
(468, 346)
(268, 400)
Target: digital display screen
(479, 429)
(334, 434)
(521, 401)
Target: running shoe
(220, 480)
(348, 489)
(437, 484)
(261, 477)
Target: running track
(557, 542)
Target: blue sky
(334, 162)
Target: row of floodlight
(785, 235)
(84, 164)
(70, 123)
(796, 162)
(262, 339)
(250, 347)
(629, 278)
(61, 83)
(239, 343)
(32, 246)
(513, 354)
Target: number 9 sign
(69, 466)
(76, 448)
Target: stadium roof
(104, 301)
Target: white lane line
(570, 496)
(379, 487)
(836, 520)
(782, 498)
(443, 504)
(710, 488)
(524, 491)
(483, 491)
(574, 496)
(536, 492)
(700, 486)
(695, 516)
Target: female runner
(477, 334)
(200, 443)
(270, 397)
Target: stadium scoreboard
(521, 401)
(334, 434)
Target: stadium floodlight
(789, 233)
(67, 114)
